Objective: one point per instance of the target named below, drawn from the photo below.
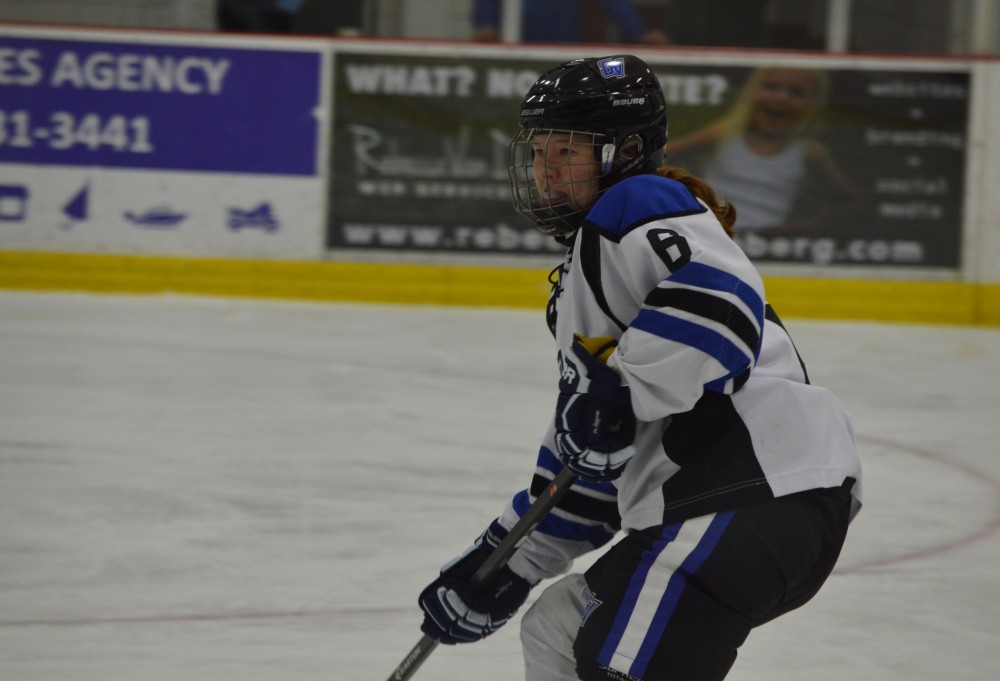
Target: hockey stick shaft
(494, 562)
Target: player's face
(565, 168)
(784, 100)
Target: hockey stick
(494, 562)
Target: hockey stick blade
(494, 562)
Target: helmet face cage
(557, 175)
(617, 103)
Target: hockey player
(682, 405)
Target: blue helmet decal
(612, 67)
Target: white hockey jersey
(726, 413)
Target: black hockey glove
(454, 612)
(595, 425)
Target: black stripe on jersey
(710, 307)
(772, 316)
(590, 261)
(580, 504)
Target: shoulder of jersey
(639, 200)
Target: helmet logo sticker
(612, 67)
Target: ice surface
(197, 489)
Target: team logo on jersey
(612, 67)
(593, 604)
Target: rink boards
(375, 171)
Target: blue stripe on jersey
(712, 343)
(675, 588)
(549, 461)
(708, 277)
(563, 528)
(640, 199)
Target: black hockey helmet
(618, 101)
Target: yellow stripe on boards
(297, 280)
(878, 300)
(927, 302)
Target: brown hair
(725, 212)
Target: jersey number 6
(672, 248)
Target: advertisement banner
(828, 166)
(145, 146)
(825, 166)
(420, 154)
(144, 105)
